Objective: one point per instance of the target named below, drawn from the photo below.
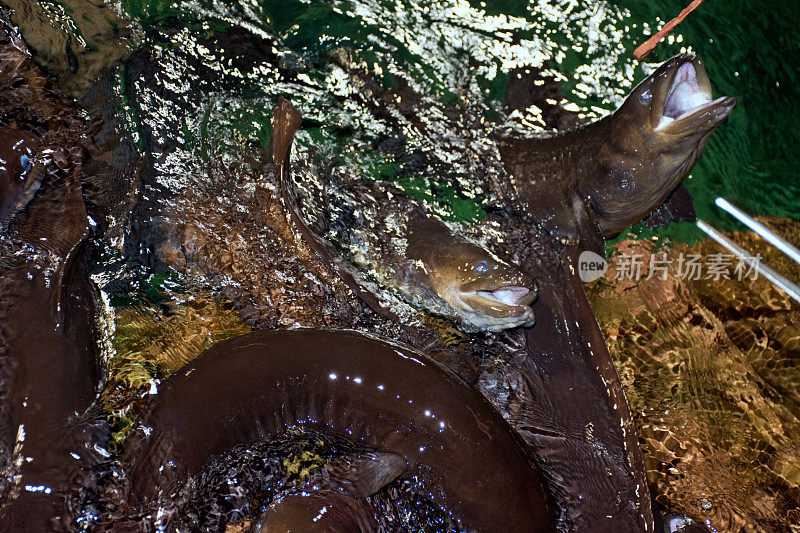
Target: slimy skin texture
(327, 511)
(618, 169)
(582, 428)
(370, 392)
(49, 366)
(483, 291)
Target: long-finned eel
(424, 261)
(328, 511)
(49, 370)
(376, 394)
(481, 290)
(581, 426)
(573, 412)
(579, 186)
(623, 166)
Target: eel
(576, 418)
(484, 292)
(50, 432)
(575, 188)
(359, 388)
(420, 259)
(618, 169)
(328, 511)
(560, 392)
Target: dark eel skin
(576, 419)
(578, 187)
(20, 172)
(328, 511)
(615, 171)
(372, 392)
(49, 367)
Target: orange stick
(649, 45)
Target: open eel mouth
(689, 97)
(507, 306)
(511, 295)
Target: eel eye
(25, 161)
(646, 96)
(481, 268)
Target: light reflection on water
(710, 370)
(203, 105)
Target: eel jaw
(511, 295)
(689, 96)
(494, 310)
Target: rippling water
(710, 371)
(198, 79)
(460, 51)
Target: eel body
(50, 436)
(376, 394)
(575, 188)
(619, 169)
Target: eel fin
(678, 207)
(365, 474)
(286, 121)
(590, 234)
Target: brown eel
(617, 170)
(578, 187)
(389, 250)
(327, 511)
(368, 391)
(20, 172)
(576, 417)
(49, 433)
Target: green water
(750, 49)
(747, 46)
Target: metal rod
(779, 281)
(759, 228)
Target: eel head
(482, 291)
(654, 140)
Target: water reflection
(413, 93)
(709, 367)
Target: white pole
(759, 228)
(779, 281)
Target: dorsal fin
(286, 120)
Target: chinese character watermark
(718, 266)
